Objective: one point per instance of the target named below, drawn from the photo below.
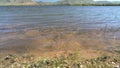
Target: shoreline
(57, 40)
(52, 5)
(66, 59)
(88, 48)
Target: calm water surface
(16, 23)
(91, 17)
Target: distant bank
(54, 4)
(58, 3)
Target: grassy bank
(73, 60)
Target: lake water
(35, 26)
(87, 17)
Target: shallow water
(34, 26)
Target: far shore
(37, 4)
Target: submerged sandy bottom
(54, 41)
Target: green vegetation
(88, 3)
(71, 61)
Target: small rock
(117, 66)
(113, 62)
(7, 57)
